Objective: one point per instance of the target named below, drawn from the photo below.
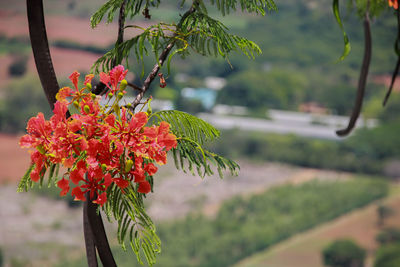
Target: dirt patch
(36, 228)
(66, 61)
(13, 160)
(65, 28)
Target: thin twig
(153, 74)
(134, 86)
(363, 76)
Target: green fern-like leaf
(132, 8)
(208, 36)
(133, 223)
(185, 125)
(26, 181)
(109, 8)
(190, 156)
(192, 133)
(257, 6)
(156, 36)
(347, 46)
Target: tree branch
(40, 48)
(396, 69)
(163, 56)
(88, 235)
(99, 233)
(94, 232)
(363, 76)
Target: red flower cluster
(98, 145)
(394, 4)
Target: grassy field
(304, 250)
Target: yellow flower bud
(123, 85)
(86, 108)
(103, 167)
(76, 104)
(128, 165)
(110, 95)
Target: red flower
(74, 78)
(99, 148)
(79, 195)
(121, 183)
(394, 4)
(101, 199)
(63, 93)
(150, 169)
(117, 74)
(144, 187)
(39, 132)
(64, 185)
(35, 175)
(77, 175)
(88, 79)
(111, 80)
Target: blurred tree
(272, 89)
(383, 213)
(388, 256)
(18, 67)
(344, 253)
(388, 236)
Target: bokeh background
(300, 187)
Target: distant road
(286, 122)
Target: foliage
(76, 46)
(383, 213)
(281, 211)
(192, 134)
(22, 99)
(166, 93)
(281, 89)
(388, 236)
(246, 225)
(344, 253)
(110, 154)
(195, 30)
(388, 256)
(325, 154)
(14, 46)
(18, 66)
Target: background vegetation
(245, 225)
